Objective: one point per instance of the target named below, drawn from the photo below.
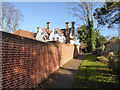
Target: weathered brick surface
(26, 62)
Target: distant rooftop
(24, 33)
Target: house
(45, 34)
(69, 33)
(63, 35)
(113, 45)
(83, 48)
(24, 33)
(57, 35)
(42, 34)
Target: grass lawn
(94, 74)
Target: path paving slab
(64, 76)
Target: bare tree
(4, 13)
(83, 10)
(11, 17)
(17, 17)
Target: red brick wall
(26, 62)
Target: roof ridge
(60, 31)
(25, 30)
(48, 32)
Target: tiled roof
(24, 33)
(47, 37)
(60, 31)
(48, 32)
(113, 39)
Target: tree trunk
(6, 27)
(9, 29)
(2, 23)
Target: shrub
(114, 64)
(98, 52)
(113, 60)
(118, 70)
(102, 59)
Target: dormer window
(55, 32)
(43, 38)
(57, 38)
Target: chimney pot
(38, 29)
(73, 24)
(67, 25)
(73, 29)
(48, 25)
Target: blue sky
(36, 14)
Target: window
(55, 32)
(53, 39)
(57, 38)
(43, 38)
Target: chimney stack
(67, 32)
(73, 24)
(48, 25)
(67, 25)
(38, 29)
(73, 29)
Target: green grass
(94, 74)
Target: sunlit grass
(92, 74)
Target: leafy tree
(10, 18)
(108, 14)
(92, 36)
(84, 35)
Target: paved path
(64, 76)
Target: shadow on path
(64, 76)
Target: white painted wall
(71, 41)
(41, 33)
(61, 37)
